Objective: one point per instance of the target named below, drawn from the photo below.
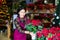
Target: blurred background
(44, 9)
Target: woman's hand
(31, 33)
(27, 32)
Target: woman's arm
(19, 28)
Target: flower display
(52, 30)
(50, 34)
(45, 32)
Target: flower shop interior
(44, 16)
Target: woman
(20, 22)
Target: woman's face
(22, 13)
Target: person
(20, 22)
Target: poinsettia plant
(45, 32)
(36, 22)
(50, 34)
(31, 28)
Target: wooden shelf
(40, 13)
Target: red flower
(35, 22)
(41, 6)
(49, 38)
(58, 36)
(52, 30)
(42, 15)
(47, 6)
(30, 5)
(39, 34)
(57, 29)
(58, 39)
(53, 37)
(45, 32)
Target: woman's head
(21, 12)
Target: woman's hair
(20, 8)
